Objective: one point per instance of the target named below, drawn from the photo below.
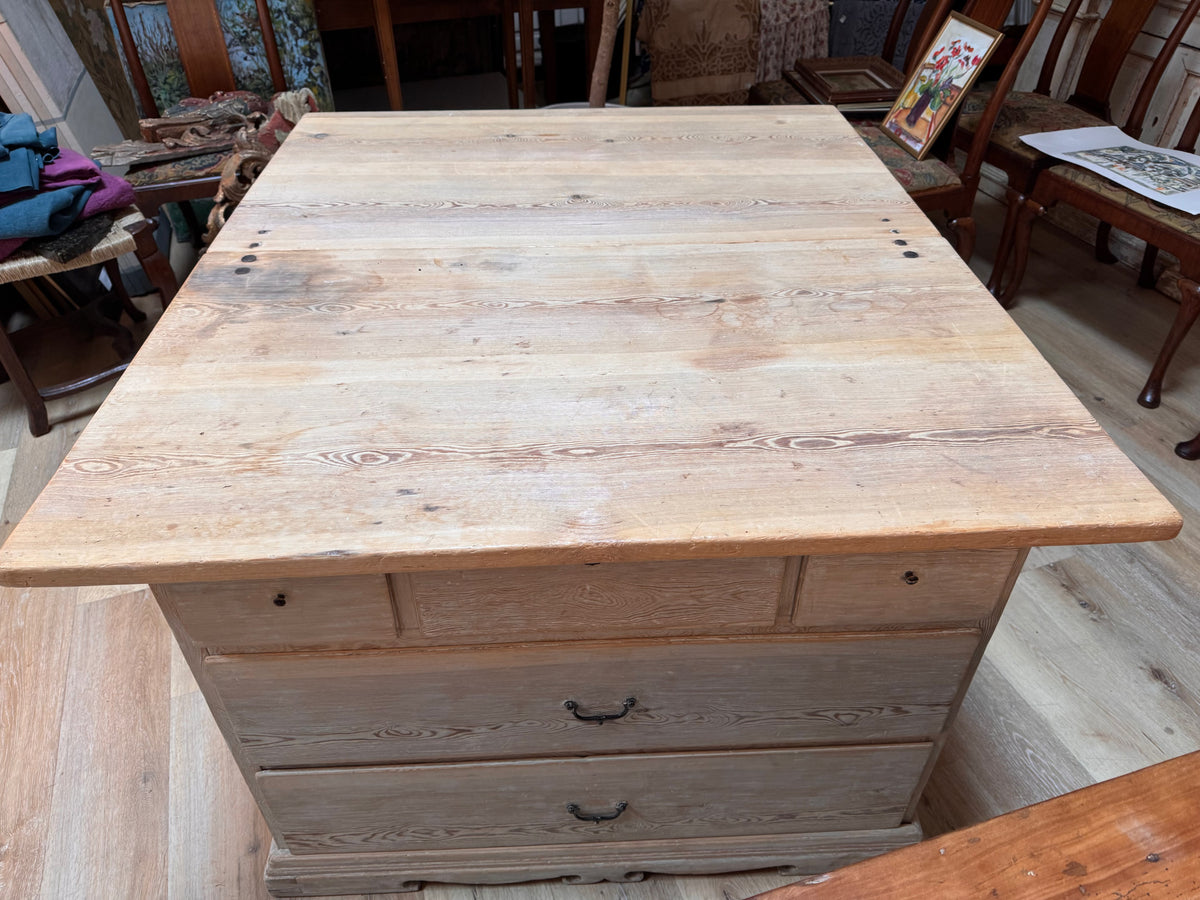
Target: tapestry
(702, 52)
(84, 23)
(296, 33)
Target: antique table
(580, 494)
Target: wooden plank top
(1137, 836)
(455, 340)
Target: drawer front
(591, 601)
(284, 614)
(511, 702)
(902, 589)
(654, 796)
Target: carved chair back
(202, 49)
(931, 17)
(993, 13)
(1102, 64)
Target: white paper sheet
(1169, 177)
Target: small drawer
(605, 798)
(284, 614)
(882, 591)
(591, 601)
(409, 706)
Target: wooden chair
(932, 182)
(1029, 112)
(130, 233)
(1158, 225)
(205, 58)
(387, 14)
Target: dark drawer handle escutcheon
(596, 818)
(629, 703)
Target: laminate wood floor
(116, 784)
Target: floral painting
(1162, 173)
(295, 31)
(939, 84)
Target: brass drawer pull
(629, 703)
(596, 818)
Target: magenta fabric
(71, 168)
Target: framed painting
(940, 82)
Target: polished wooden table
(1137, 836)
(580, 493)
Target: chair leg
(1026, 213)
(1103, 253)
(964, 236)
(545, 18)
(1146, 277)
(510, 53)
(157, 269)
(1189, 449)
(100, 322)
(1013, 201)
(528, 74)
(1189, 309)
(113, 268)
(39, 421)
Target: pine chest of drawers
(672, 716)
(577, 495)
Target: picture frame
(847, 82)
(929, 99)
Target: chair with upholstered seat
(1030, 112)
(1160, 226)
(129, 233)
(208, 69)
(933, 183)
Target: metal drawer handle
(629, 703)
(596, 818)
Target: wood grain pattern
(413, 706)
(33, 684)
(524, 803)
(321, 874)
(284, 614)
(136, 798)
(443, 364)
(887, 590)
(598, 600)
(1099, 331)
(1133, 836)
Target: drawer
(654, 796)
(879, 591)
(511, 702)
(590, 601)
(287, 613)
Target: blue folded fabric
(50, 212)
(21, 171)
(23, 152)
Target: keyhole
(911, 578)
(281, 599)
